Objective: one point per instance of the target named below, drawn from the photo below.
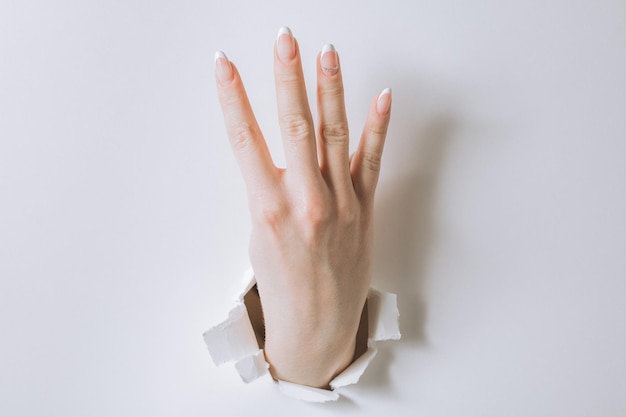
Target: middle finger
(333, 126)
(294, 114)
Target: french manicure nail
(223, 68)
(383, 104)
(329, 60)
(285, 44)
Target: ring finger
(333, 125)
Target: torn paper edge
(252, 367)
(233, 340)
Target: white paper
(252, 367)
(234, 340)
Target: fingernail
(223, 68)
(285, 44)
(383, 105)
(329, 60)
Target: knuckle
(242, 136)
(378, 129)
(289, 79)
(371, 160)
(270, 214)
(296, 126)
(335, 133)
(315, 217)
(233, 99)
(315, 211)
(332, 91)
(348, 212)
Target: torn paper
(234, 340)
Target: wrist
(310, 334)
(312, 359)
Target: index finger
(245, 136)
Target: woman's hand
(311, 240)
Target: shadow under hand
(405, 216)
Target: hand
(311, 240)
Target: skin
(311, 239)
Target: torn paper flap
(352, 373)
(252, 367)
(233, 339)
(383, 315)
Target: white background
(500, 214)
